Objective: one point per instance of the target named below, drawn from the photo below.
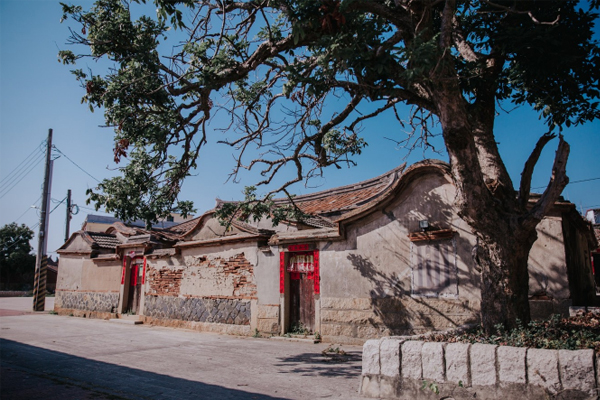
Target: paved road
(58, 357)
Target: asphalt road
(56, 357)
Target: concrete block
(576, 369)
(389, 356)
(542, 369)
(483, 364)
(268, 311)
(411, 365)
(268, 325)
(369, 386)
(598, 370)
(458, 364)
(432, 358)
(370, 358)
(512, 364)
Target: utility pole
(68, 222)
(41, 260)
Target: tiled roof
(104, 219)
(337, 201)
(104, 240)
(184, 227)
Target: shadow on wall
(397, 311)
(102, 380)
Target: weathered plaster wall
(213, 284)
(366, 279)
(83, 284)
(548, 278)
(81, 273)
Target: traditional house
(386, 256)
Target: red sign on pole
(281, 272)
(144, 272)
(317, 273)
(123, 274)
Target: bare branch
(558, 181)
(529, 167)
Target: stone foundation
(195, 309)
(395, 368)
(354, 320)
(88, 301)
(227, 329)
(268, 318)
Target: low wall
(396, 368)
(222, 311)
(106, 302)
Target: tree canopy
(272, 65)
(16, 261)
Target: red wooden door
(135, 287)
(302, 303)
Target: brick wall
(223, 290)
(164, 281)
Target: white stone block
(370, 357)
(432, 357)
(483, 364)
(411, 360)
(542, 369)
(369, 387)
(511, 364)
(577, 369)
(457, 364)
(389, 356)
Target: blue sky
(38, 93)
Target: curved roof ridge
(392, 175)
(417, 167)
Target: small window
(434, 268)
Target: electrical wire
(37, 149)
(34, 227)
(570, 183)
(74, 163)
(22, 176)
(29, 208)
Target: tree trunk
(503, 240)
(503, 259)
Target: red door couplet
(303, 269)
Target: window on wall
(434, 268)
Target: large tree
(272, 66)
(17, 263)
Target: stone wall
(268, 318)
(395, 368)
(222, 311)
(353, 320)
(90, 301)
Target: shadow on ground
(313, 364)
(31, 372)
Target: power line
(22, 176)
(37, 149)
(74, 163)
(570, 183)
(29, 208)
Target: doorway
(135, 281)
(301, 284)
(302, 303)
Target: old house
(386, 256)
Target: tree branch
(558, 181)
(529, 167)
